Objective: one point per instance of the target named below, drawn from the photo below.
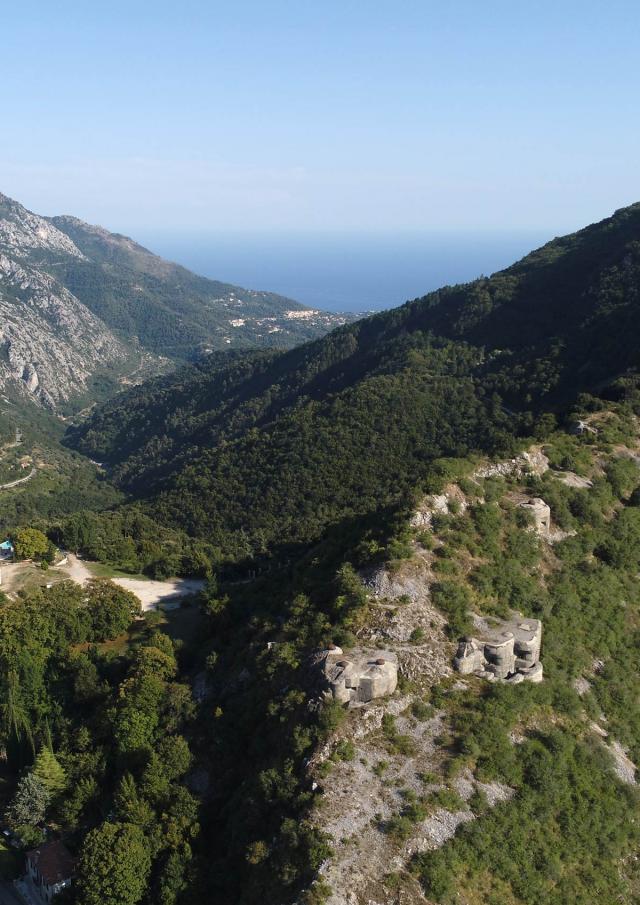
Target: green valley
(362, 498)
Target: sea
(344, 272)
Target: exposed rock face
(438, 504)
(583, 427)
(532, 462)
(22, 232)
(50, 344)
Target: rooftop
(54, 862)
(522, 629)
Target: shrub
(421, 710)
(331, 716)
(453, 599)
(345, 750)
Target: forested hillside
(282, 446)
(175, 312)
(365, 491)
(85, 311)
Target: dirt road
(19, 481)
(149, 592)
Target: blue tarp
(7, 546)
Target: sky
(324, 117)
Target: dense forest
(283, 446)
(172, 311)
(90, 735)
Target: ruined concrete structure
(509, 652)
(359, 676)
(541, 514)
(583, 427)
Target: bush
(421, 710)
(399, 826)
(479, 802)
(623, 475)
(331, 717)
(453, 599)
(345, 750)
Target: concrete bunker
(508, 652)
(540, 514)
(360, 676)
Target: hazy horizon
(348, 160)
(322, 117)
(344, 271)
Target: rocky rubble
(361, 794)
(400, 606)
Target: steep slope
(439, 792)
(283, 446)
(565, 315)
(83, 306)
(452, 787)
(51, 344)
(175, 312)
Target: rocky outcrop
(438, 504)
(532, 462)
(452, 499)
(50, 344)
(22, 233)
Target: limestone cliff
(77, 299)
(50, 343)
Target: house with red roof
(49, 870)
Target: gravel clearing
(165, 594)
(150, 593)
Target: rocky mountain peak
(77, 299)
(23, 232)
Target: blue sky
(354, 117)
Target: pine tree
(48, 770)
(130, 806)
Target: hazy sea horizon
(344, 272)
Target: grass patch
(104, 570)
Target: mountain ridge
(362, 411)
(139, 310)
(361, 497)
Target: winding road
(19, 481)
